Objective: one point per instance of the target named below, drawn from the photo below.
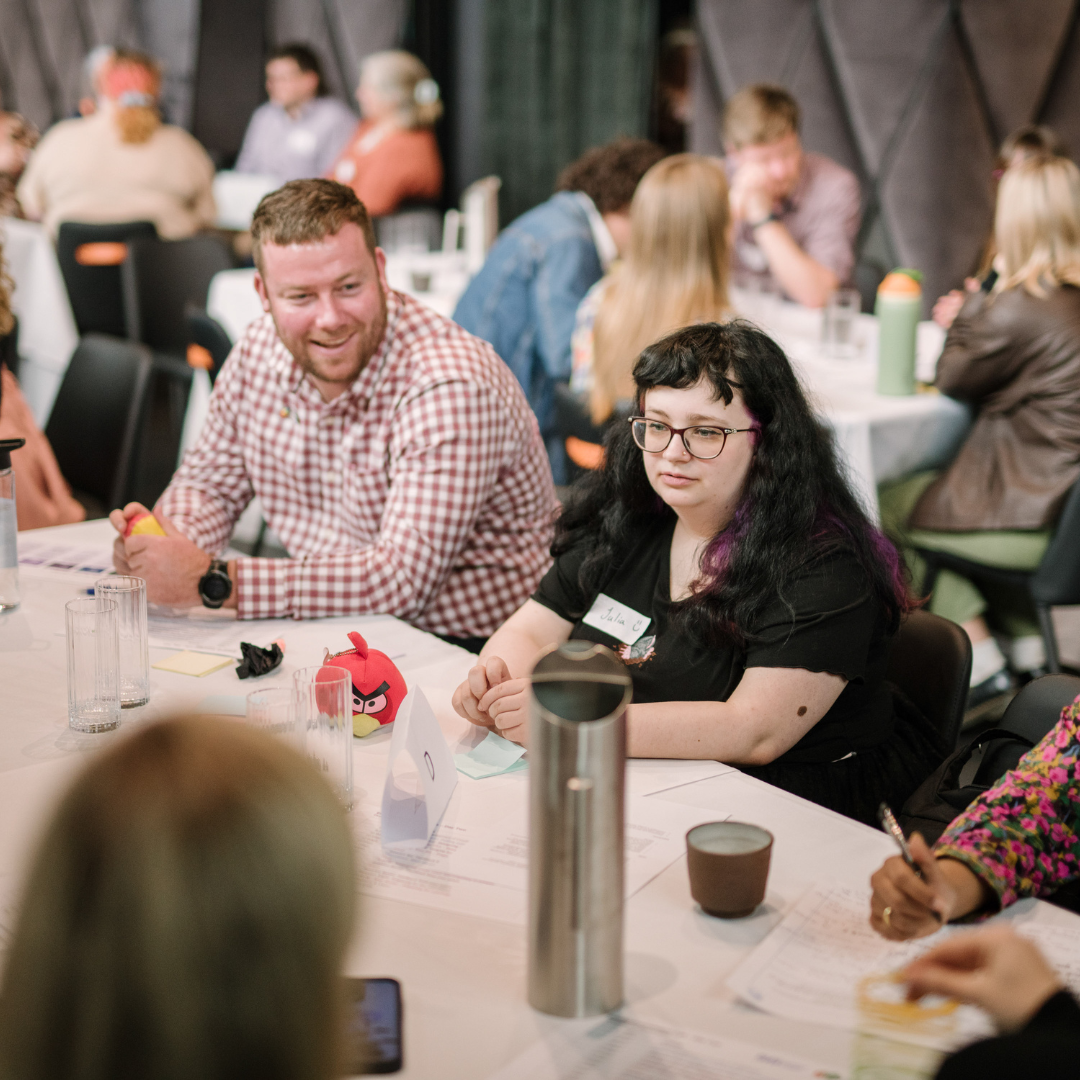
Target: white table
(463, 976)
(47, 334)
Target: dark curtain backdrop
(561, 76)
(914, 95)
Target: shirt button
(330, 477)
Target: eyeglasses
(706, 443)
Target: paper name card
(193, 663)
(618, 620)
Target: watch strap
(753, 225)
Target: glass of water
(841, 318)
(274, 710)
(130, 596)
(324, 714)
(93, 663)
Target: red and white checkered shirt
(423, 491)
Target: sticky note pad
(193, 663)
(493, 756)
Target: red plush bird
(378, 688)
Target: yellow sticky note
(193, 663)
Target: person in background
(755, 601)
(94, 67)
(675, 273)
(1020, 838)
(186, 916)
(301, 130)
(42, 495)
(1032, 140)
(121, 163)
(526, 295)
(394, 454)
(18, 137)
(796, 213)
(1014, 355)
(393, 157)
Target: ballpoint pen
(890, 825)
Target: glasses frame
(681, 432)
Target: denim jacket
(526, 294)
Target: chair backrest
(162, 279)
(9, 350)
(930, 661)
(97, 415)
(90, 257)
(205, 332)
(480, 207)
(1057, 580)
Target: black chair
(97, 415)
(206, 333)
(582, 439)
(90, 257)
(1056, 581)
(9, 350)
(930, 662)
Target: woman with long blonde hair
(1014, 356)
(674, 274)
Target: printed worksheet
(80, 563)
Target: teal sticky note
(493, 756)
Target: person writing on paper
(186, 916)
(394, 454)
(722, 555)
(1020, 838)
(1008, 977)
(796, 213)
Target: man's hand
(750, 197)
(490, 698)
(171, 565)
(994, 968)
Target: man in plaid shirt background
(393, 452)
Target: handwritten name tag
(616, 619)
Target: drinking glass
(838, 328)
(93, 663)
(130, 596)
(274, 710)
(324, 715)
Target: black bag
(960, 779)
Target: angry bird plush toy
(378, 688)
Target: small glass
(130, 596)
(274, 710)
(93, 663)
(840, 319)
(324, 715)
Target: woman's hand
(947, 308)
(994, 968)
(919, 906)
(490, 698)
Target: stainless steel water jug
(577, 778)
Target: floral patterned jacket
(1022, 837)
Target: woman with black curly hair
(722, 554)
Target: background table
(47, 334)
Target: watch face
(216, 587)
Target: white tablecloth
(463, 976)
(47, 334)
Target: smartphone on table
(374, 1026)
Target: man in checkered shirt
(393, 452)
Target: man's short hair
(305, 212)
(305, 58)
(761, 113)
(609, 174)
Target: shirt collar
(601, 234)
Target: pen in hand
(890, 825)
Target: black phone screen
(375, 1025)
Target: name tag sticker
(616, 619)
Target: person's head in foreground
(761, 135)
(186, 916)
(1031, 140)
(294, 76)
(675, 271)
(397, 89)
(1037, 225)
(130, 88)
(321, 278)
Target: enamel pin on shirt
(616, 619)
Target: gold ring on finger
(886, 917)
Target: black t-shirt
(827, 619)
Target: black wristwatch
(753, 225)
(215, 586)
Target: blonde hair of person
(759, 114)
(404, 81)
(675, 272)
(1037, 225)
(185, 918)
(132, 81)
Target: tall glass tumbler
(130, 596)
(324, 708)
(93, 663)
(274, 710)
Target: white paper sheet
(612, 1049)
(1061, 947)
(80, 562)
(824, 964)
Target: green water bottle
(898, 310)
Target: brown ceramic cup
(729, 867)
